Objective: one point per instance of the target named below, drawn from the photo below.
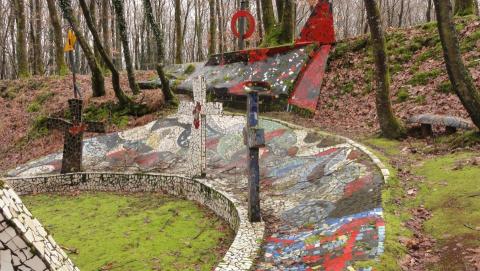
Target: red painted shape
(307, 87)
(271, 135)
(251, 23)
(319, 27)
(357, 185)
(257, 55)
(77, 129)
(327, 152)
(147, 160)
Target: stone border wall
(24, 243)
(248, 239)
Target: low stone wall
(243, 250)
(24, 243)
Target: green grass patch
(395, 215)
(445, 87)
(40, 100)
(134, 232)
(451, 192)
(109, 113)
(402, 95)
(347, 88)
(423, 78)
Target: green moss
(33, 107)
(38, 128)
(421, 99)
(132, 232)
(347, 88)
(423, 78)
(109, 113)
(402, 95)
(190, 69)
(395, 215)
(445, 87)
(469, 43)
(446, 191)
(41, 99)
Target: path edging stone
(242, 252)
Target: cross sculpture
(73, 135)
(196, 113)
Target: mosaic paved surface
(320, 196)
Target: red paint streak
(257, 55)
(351, 229)
(327, 152)
(319, 27)
(282, 241)
(307, 87)
(212, 143)
(147, 160)
(311, 259)
(357, 185)
(277, 133)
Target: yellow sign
(71, 39)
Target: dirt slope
(419, 79)
(24, 105)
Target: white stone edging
(249, 236)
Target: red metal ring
(251, 23)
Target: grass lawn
(446, 184)
(103, 231)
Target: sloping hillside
(26, 103)
(419, 79)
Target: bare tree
(22, 54)
(389, 124)
(98, 81)
(169, 96)
(122, 28)
(459, 75)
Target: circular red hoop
(251, 23)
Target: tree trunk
(122, 27)
(221, 31)
(429, 11)
(98, 81)
(93, 16)
(268, 17)
(389, 124)
(286, 35)
(57, 36)
(459, 75)
(167, 91)
(259, 19)
(123, 99)
(105, 27)
(400, 16)
(213, 28)
(178, 32)
(280, 8)
(199, 31)
(21, 46)
(37, 46)
(464, 7)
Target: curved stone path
(321, 195)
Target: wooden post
(254, 138)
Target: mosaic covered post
(254, 139)
(73, 135)
(196, 113)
